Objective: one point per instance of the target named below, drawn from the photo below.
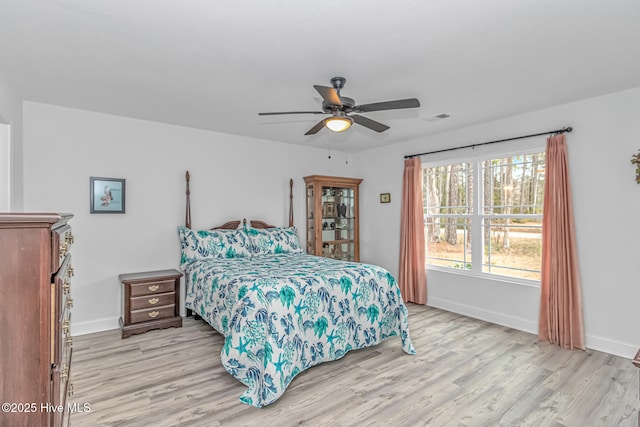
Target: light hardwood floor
(467, 373)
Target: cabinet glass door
(338, 222)
(311, 217)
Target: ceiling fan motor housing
(347, 105)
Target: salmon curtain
(413, 276)
(561, 301)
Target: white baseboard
(514, 322)
(92, 326)
(608, 345)
(593, 342)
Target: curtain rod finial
(568, 129)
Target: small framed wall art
(107, 195)
(385, 197)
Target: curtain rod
(563, 130)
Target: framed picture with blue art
(107, 195)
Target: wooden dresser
(35, 303)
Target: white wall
(606, 203)
(231, 178)
(11, 116)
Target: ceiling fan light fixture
(338, 124)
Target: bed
(280, 310)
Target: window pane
(513, 247)
(449, 242)
(514, 185)
(448, 189)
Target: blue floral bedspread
(283, 313)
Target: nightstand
(151, 300)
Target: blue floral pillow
(277, 240)
(202, 244)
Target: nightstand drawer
(152, 301)
(152, 313)
(152, 287)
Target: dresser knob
(70, 302)
(154, 314)
(69, 341)
(153, 301)
(154, 288)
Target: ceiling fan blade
(329, 94)
(316, 128)
(368, 123)
(290, 112)
(388, 105)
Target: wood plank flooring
(467, 373)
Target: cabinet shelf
(338, 242)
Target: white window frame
(477, 215)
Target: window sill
(486, 276)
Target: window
(485, 215)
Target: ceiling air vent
(438, 117)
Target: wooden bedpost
(291, 202)
(187, 220)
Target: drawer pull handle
(70, 390)
(63, 249)
(154, 288)
(68, 237)
(70, 272)
(154, 314)
(153, 301)
(69, 341)
(70, 302)
(65, 287)
(64, 373)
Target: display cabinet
(332, 217)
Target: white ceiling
(213, 64)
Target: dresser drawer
(62, 388)
(61, 241)
(60, 305)
(155, 313)
(154, 300)
(152, 287)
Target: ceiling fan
(340, 107)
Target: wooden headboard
(232, 225)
